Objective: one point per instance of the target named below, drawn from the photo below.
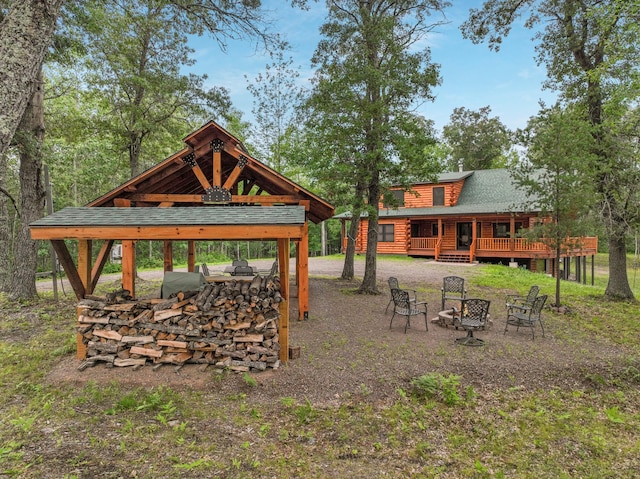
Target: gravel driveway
(348, 349)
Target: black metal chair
(521, 318)
(473, 316)
(522, 303)
(452, 289)
(405, 306)
(393, 284)
(205, 269)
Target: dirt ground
(348, 350)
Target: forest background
(101, 94)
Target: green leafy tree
(136, 52)
(370, 73)
(591, 50)
(83, 159)
(276, 94)
(477, 140)
(26, 32)
(556, 176)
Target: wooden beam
(168, 255)
(233, 176)
(69, 267)
(283, 321)
(84, 263)
(201, 177)
(302, 275)
(201, 232)
(101, 260)
(121, 202)
(191, 256)
(129, 266)
(263, 199)
(283, 266)
(217, 168)
(166, 198)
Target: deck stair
(454, 257)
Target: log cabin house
(212, 189)
(466, 216)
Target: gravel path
(349, 351)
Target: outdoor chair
(205, 269)
(452, 289)
(473, 316)
(393, 284)
(522, 303)
(274, 269)
(405, 306)
(527, 318)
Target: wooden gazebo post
(283, 326)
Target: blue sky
(508, 81)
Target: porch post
(283, 322)
(474, 232)
(302, 274)
(129, 266)
(512, 234)
(84, 263)
(191, 256)
(168, 255)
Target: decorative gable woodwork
(213, 168)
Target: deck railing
(509, 244)
(423, 243)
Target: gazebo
(212, 189)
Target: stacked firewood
(229, 325)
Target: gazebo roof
(214, 168)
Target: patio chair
(473, 316)
(452, 289)
(393, 284)
(205, 269)
(522, 303)
(404, 306)
(527, 318)
(274, 269)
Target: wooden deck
(501, 248)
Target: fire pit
(451, 317)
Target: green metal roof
(483, 192)
(176, 216)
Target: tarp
(176, 281)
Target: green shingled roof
(185, 216)
(484, 192)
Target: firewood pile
(231, 325)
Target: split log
(129, 362)
(153, 353)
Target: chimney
(460, 165)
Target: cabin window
(398, 196)
(503, 230)
(438, 196)
(385, 233)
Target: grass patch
(435, 425)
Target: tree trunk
(25, 35)
(28, 139)
(618, 285)
(135, 143)
(5, 232)
(369, 282)
(348, 270)
(558, 279)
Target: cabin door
(463, 235)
